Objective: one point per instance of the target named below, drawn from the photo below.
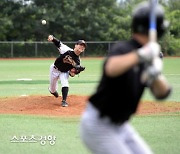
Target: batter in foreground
(130, 67)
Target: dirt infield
(50, 106)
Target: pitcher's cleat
(64, 104)
(55, 93)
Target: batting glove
(148, 52)
(152, 72)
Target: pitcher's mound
(51, 106)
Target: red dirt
(51, 106)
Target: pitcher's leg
(64, 76)
(53, 78)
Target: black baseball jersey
(118, 97)
(64, 50)
(62, 65)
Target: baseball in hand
(43, 22)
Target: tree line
(91, 20)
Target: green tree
(70, 20)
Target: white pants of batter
(103, 137)
(56, 75)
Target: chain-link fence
(47, 49)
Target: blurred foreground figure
(130, 67)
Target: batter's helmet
(140, 21)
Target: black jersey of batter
(118, 97)
(64, 67)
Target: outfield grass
(66, 131)
(38, 71)
(85, 84)
(161, 132)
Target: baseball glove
(76, 70)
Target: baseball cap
(82, 42)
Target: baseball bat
(152, 33)
(152, 21)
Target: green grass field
(160, 131)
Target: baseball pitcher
(68, 63)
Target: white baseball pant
(101, 136)
(56, 75)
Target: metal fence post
(12, 50)
(36, 49)
(109, 47)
